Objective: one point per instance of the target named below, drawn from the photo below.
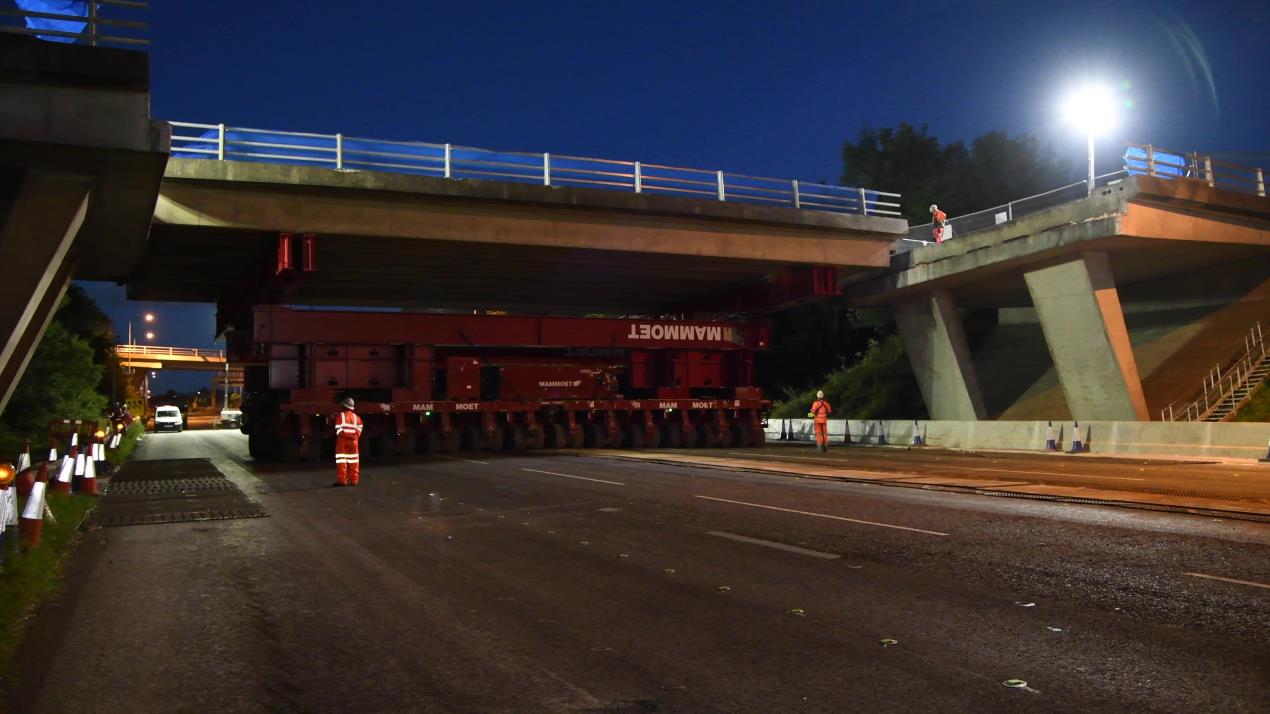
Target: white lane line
(580, 478)
(470, 461)
(1228, 580)
(847, 465)
(773, 544)
(823, 515)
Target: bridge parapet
(451, 161)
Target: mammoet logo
(561, 383)
(703, 405)
(693, 333)
(667, 405)
(467, 406)
(421, 407)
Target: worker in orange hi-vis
(348, 429)
(820, 411)
(938, 220)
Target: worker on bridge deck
(938, 221)
(348, 429)
(820, 411)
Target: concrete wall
(1205, 440)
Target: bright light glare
(149, 335)
(1092, 109)
(149, 317)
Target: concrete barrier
(1245, 440)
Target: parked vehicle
(168, 419)
(230, 418)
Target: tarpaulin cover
(55, 7)
(1166, 165)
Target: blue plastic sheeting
(55, 7)
(468, 163)
(1166, 165)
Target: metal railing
(153, 351)
(1221, 382)
(1149, 160)
(921, 235)
(94, 27)
(451, 161)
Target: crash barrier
(1199, 439)
(451, 161)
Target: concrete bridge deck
(1108, 307)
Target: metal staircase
(1228, 386)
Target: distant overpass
(185, 358)
(1112, 307)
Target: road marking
(773, 544)
(947, 466)
(470, 461)
(580, 478)
(1228, 580)
(823, 515)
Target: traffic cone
(24, 458)
(32, 520)
(64, 475)
(1077, 447)
(846, 431)
(1050, 443)
(88, 486)
(28, 478)
(52, 450)
(917, 434)
(784, 434)
(74, 439)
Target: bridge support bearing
(1080, 314)
(935, 340)
(35, 244)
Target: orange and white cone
(32, 521)
(65, 473)
(28, 478)
(24, 458)
(52, 452)
(74, 439)
(88, 486)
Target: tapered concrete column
(936, 344)
(35, 241)
(1079, 311)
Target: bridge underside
(207, 265)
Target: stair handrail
(1221, 381)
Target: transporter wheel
(577, 438)
(596, 436)
(740, 435)
(707, 435)
(428, 442)
(496, 441)
(632, 436)
(470, 438)
(536, 437)
(517, 437)
(671, 436)
(555, 436)
(758, 436)
(451, 441)
(688, 437)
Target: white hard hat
(820, 395)
(933, 208)
(348, 403)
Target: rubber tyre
(632, 436)
(577, 439)
(707, 435)
(470, 438)
(535, 438)
(496, 442)
(555, 437)
(671, 436)
(688, 438)
(596, 436)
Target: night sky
(763, 88)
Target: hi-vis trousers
(348, 464)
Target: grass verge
(29, 579)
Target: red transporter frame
(444, 382)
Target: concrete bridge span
(1111, 307)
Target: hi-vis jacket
(348, 427)
(821, 410)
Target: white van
(167, 419)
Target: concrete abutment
(935, 340)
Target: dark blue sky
(764, 88)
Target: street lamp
(1092, 110)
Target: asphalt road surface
(552, 583)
